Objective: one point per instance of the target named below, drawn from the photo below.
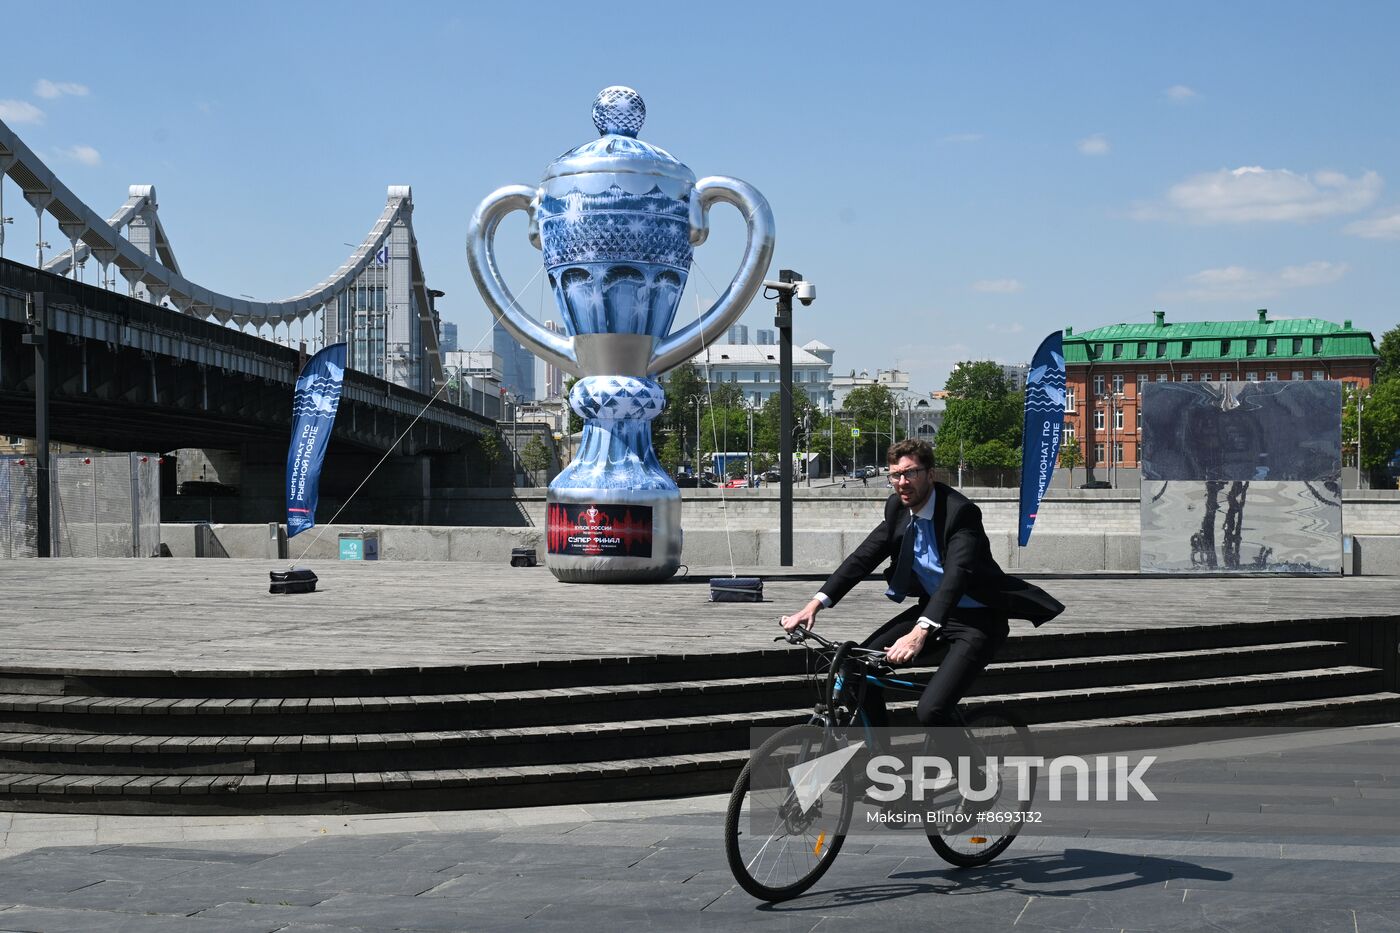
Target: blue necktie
(904, 566)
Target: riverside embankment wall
(1077, 530)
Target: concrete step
(605, 703)
(1043, 644)
(574, 742)
(466, 788)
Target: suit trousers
(972, 638)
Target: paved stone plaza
(660, 865)
(636, 865)
(187, 614)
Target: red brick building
(1107, 367)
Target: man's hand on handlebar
(908, 647)
(803, 617)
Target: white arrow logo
(811, 778)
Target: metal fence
(19, 490)
(102, 505)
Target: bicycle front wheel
(781, 835)
(986, 828)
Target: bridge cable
(390, 450)
(395, 444)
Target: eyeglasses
(903, 475)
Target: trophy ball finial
(619, 110)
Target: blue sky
(957, 179)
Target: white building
(754, 369)
(478, 380)
(553, 375)
(1015, 374)
(896, 380)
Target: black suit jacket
(968, 566)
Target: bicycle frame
(843, 657)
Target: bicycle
(803, 827)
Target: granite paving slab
(216, 615)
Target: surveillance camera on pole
(789, 285)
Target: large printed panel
(1242, 430)
(1241, 527)
(1241, 477)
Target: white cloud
(1238, 283)
(1379, 227)
(1251, 193)
(998, 286)
(1312, 273)
(963, 138)
(84, 154)
(51, 89)
(1095, 145)
(20, 111)
(1180, 93)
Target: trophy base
(613, 535)
(609, 572)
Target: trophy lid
(618, 156)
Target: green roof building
(1107, 367)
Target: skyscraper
(517, 364)
(447, 342)
(553, 375)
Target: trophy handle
(680, 346)
(481, 239)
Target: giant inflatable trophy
(616, 219)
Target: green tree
(994, 454)
(724, 429)
(983, 422)
(685, 391)
(490, 446)
(1071, 456)
(727, 395)
(767, 427)
(1380, 426)
(1389, 365)
(870, 405)
(534, 457)
(575, 422)
(670, 452)
(968, 423)
(868, 408)
(982, 380)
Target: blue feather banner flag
(314, 405)
(1045, 418)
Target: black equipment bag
(736, 589)
(296, 580)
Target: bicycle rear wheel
(989, 827)
(780, 840)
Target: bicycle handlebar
(800, 635)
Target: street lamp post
(696, 400)
(1360, 396)
(789, 283)
(748, 462)
(1360, 404)
(807, 442)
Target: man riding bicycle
(941, 556)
